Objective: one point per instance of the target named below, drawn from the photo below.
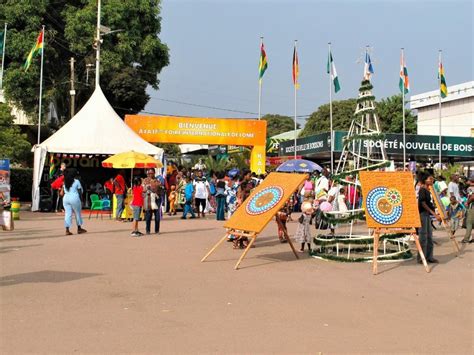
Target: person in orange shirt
(120, 190)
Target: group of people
(198, 192)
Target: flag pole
(97, 58)
(403, 110)
(330, 109)
(260, 85)
(295, 84)
(3, 55)
(439, 110)
(41, 89)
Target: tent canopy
(97, 129)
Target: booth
(95, 129)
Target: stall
(95, 129)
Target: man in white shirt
(453, 187)
(201, 188)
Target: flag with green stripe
(331, 69)
(443, 88)
(263, 64)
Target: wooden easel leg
(215, 247)
(453, 238)
(252, 240)
(376, 251)
(285, 233)
(420, 251)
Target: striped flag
(443, 89)
(404, 84)
(263, 64)
(36, 50)
(331, 69)
(2, 39)
(368, 68)
(52, 167)
(296, 69)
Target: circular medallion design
(264, 200)
(384, 208)
(394, 197)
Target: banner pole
(330, 109)
(3, 55)
(41, 88)
(403, 110)
(295, 84)
(260, 84)
(439, 110)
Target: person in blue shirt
(72, 200)
(189, 196)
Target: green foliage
(390, 114)
(171, 150)
(13, 144)
(216, 165)
(130, 59)
(342, 112)
(277, 124)
(20, 181)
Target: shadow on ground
(50, 276)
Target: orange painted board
(389, 199)
(439, 205)
(265, 201)
(199, 130)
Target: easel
(409, 231)
(251, 236)
(442, 213)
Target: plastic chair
(106, 207)
(96, 205)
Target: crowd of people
(199, 193)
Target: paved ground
(105, 292)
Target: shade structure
(131, 160)
(299, 166)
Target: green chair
(96, 205)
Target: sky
(215, 47)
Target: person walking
(120, 190)
(189, 196)
(72, 200)
(152, 202)
(453, 187)
(470, 212)
(426, 209)
(220, 196)
(201, 193)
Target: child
(341, 200)
(137, 204)
(281, 217)
(455, 214)
(303, 234)
(172, 200)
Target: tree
(319, 121)
(131, 58)
(277, 124)
(171, 150)
(390, 114)
(14, 145)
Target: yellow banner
(223, 131)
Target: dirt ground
(106, 292)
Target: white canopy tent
(95, 129)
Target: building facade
(457, 111)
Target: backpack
(212, 188)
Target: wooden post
(287, 237)
(420, 251)
(376, 250)
(215, 246)
(252, 240)
(452, 237)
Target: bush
(21, 180)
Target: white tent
(95, 129)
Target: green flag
(2, 39)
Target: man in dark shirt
(426, 209)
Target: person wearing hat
(470, 211)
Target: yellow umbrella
(131, 160)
